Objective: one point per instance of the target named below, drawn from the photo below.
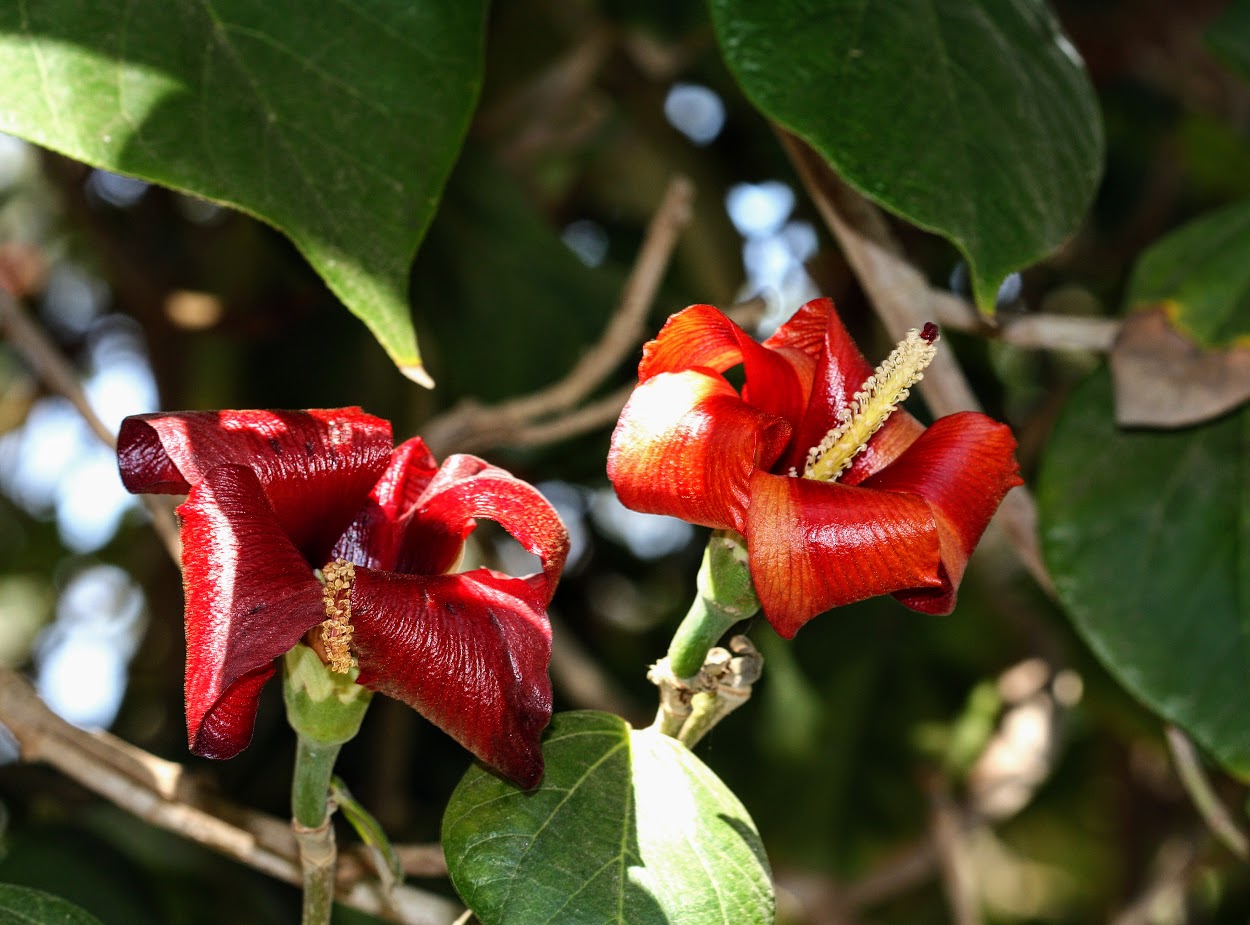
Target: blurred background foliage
(872, 714)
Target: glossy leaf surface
(1147, 535)
(339, 129)
(627, 826)
(975, 120)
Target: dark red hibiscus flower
(835, 505)
(280, 501)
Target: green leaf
(21, 905)
(494, 257)
(1201, 273)
(971, 118)
(338, 127)
(390, 869)
(1147, 535)
(627, 827)
(1229, 36)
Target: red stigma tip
(929, 333)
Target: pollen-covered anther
(869, 408)
(336, 630)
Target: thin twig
(578, 677)
(160, 793)
(475, 427)
(1194, 778)
(491, 431)
(60, 376)
(901, 873)
(948, 839)
(903, 299)
(1037, 330)
(1175, 865)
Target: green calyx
(725, 576)
(322, 706)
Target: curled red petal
(374, 538)
(469, 652)
(317, 467)
(805, 330)
(700, 335)
(962, 466)
(466, 488)
(686, 445)
(778, 380)
(250, 596)
(816, 545)
(226, 727)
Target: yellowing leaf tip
(416, 372)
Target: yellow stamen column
(324, 706)
(872, 405)
(336, 631)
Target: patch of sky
(775, 249)
(81, 659)
(119, 191)
(53, 465)
(587, 239)
(696, 111)
(647, 536)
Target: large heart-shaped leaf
(971, 118)
(1147, 535)
(626, 827)
(21, 905)
(337, 124)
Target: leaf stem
(1198, 786)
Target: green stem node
(725, 596)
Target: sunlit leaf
(338, 127)
(971, 118)
(627, 826)
(1147, 535)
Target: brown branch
(1036, 330)
(903, 299)
(49, 363)
(475, 427)
(1175, 865)
(580, 678)
(948, 826)
(161, 793)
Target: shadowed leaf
(1147, 535)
